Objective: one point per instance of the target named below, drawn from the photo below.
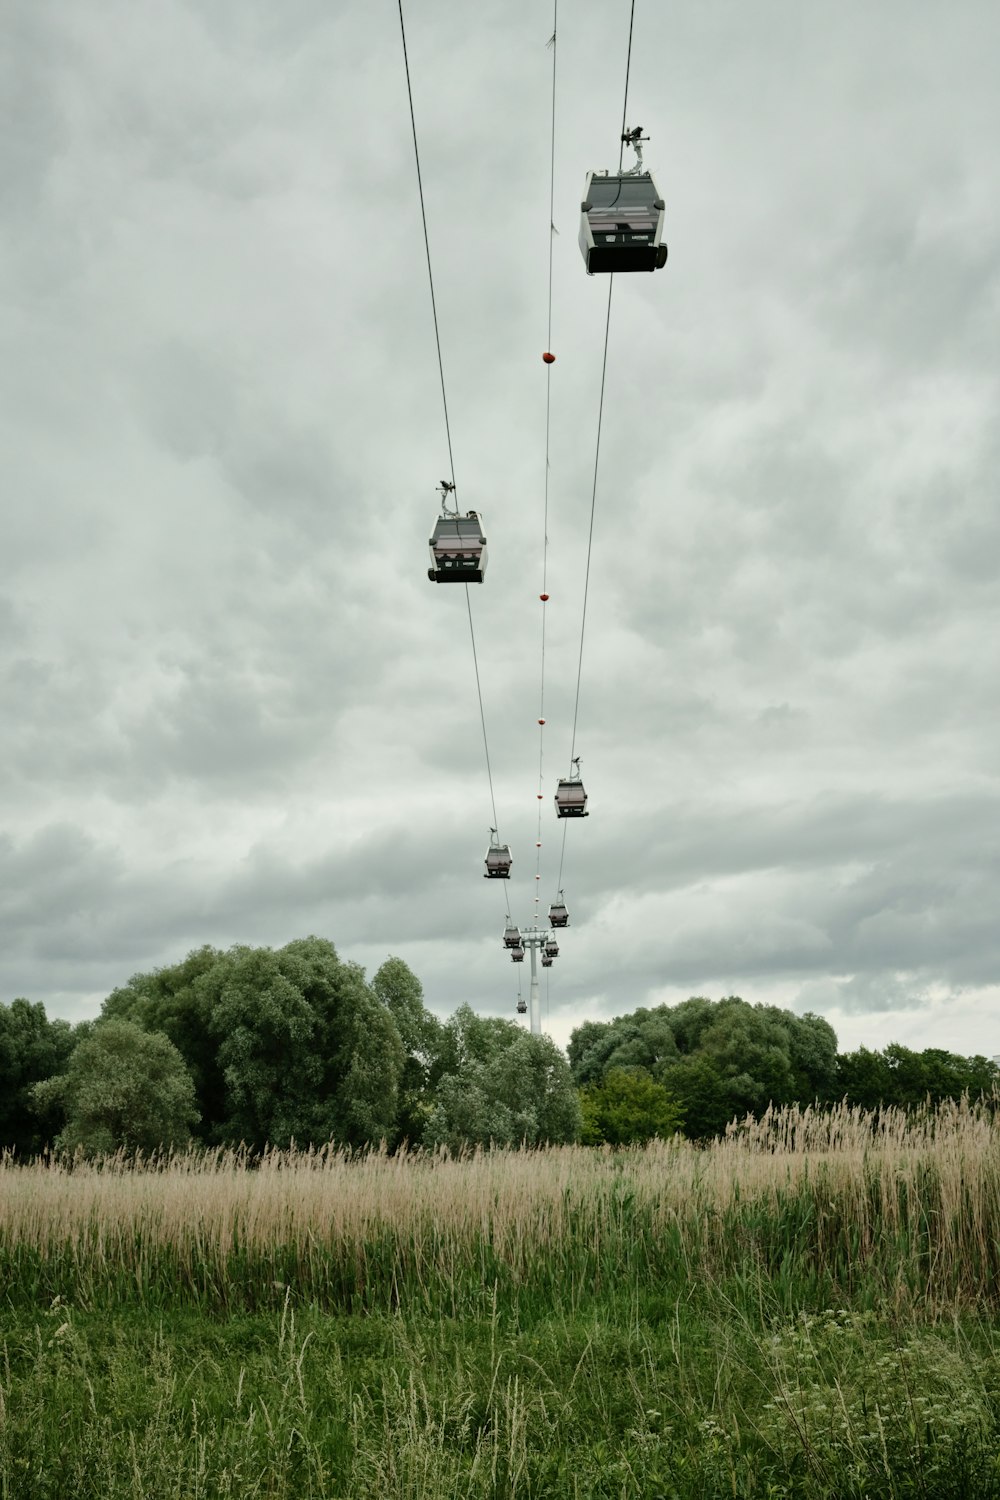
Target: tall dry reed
(803, 1203)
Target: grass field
(806, 1308)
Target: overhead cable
(597, 448)
(548, 426)
(444, 401)
(427, 243)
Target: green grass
(805, 1310)
(628, 1397)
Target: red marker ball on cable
(544, 598)
(549, 359)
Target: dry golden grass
(837, 1193)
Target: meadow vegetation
(806, 1306)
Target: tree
(689, 1020)
(172, 1001)
(719, 1059)
(589, 1047)
(306, 1050)
(948, 1076)
(628, 1108)
(752, 1053)
(32, 1048)
(703, 1097)
(124, 1087)
(813, 1055)
(500, 1086)
(863, 1078)
(643, 1039)
(421, 1034)
(287, 1044)
(907, 1079)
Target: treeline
(713, 1061)
(270, 1047)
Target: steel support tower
(535, 938)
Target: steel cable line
(486, 745)
(597, 448)
(447, 423)
(548, 427)
(427, 243)
(628, 66)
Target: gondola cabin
(570, 798)
(546, 961)
(498, 860)
(558, 915)
(551, 949)
(511, 937)
(522, 1008)
(621, 223)
(517, 955)
(458, 550)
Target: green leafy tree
(719, 1059)
(422, 1038)
(590, 1045)
(642, 1039)
(172, 1001)
(283, 1045)
(812, 1054)
(907, 1079)
(627, 1109)
(689, 1020)
(306, 1050)
(863, 1078)
(751, 1052)
(500, 1086)
(123, 1087)
(32, 1048)
(949, 1076)
(932, 1075)
(702, 1094)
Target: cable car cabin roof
(511, 937)
(571, 800)
(621, 223)
(458, 550)
(558, 915)
(458, 531)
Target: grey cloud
(863, 995)
(34, 128)
(223, 673)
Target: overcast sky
(232, 707)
